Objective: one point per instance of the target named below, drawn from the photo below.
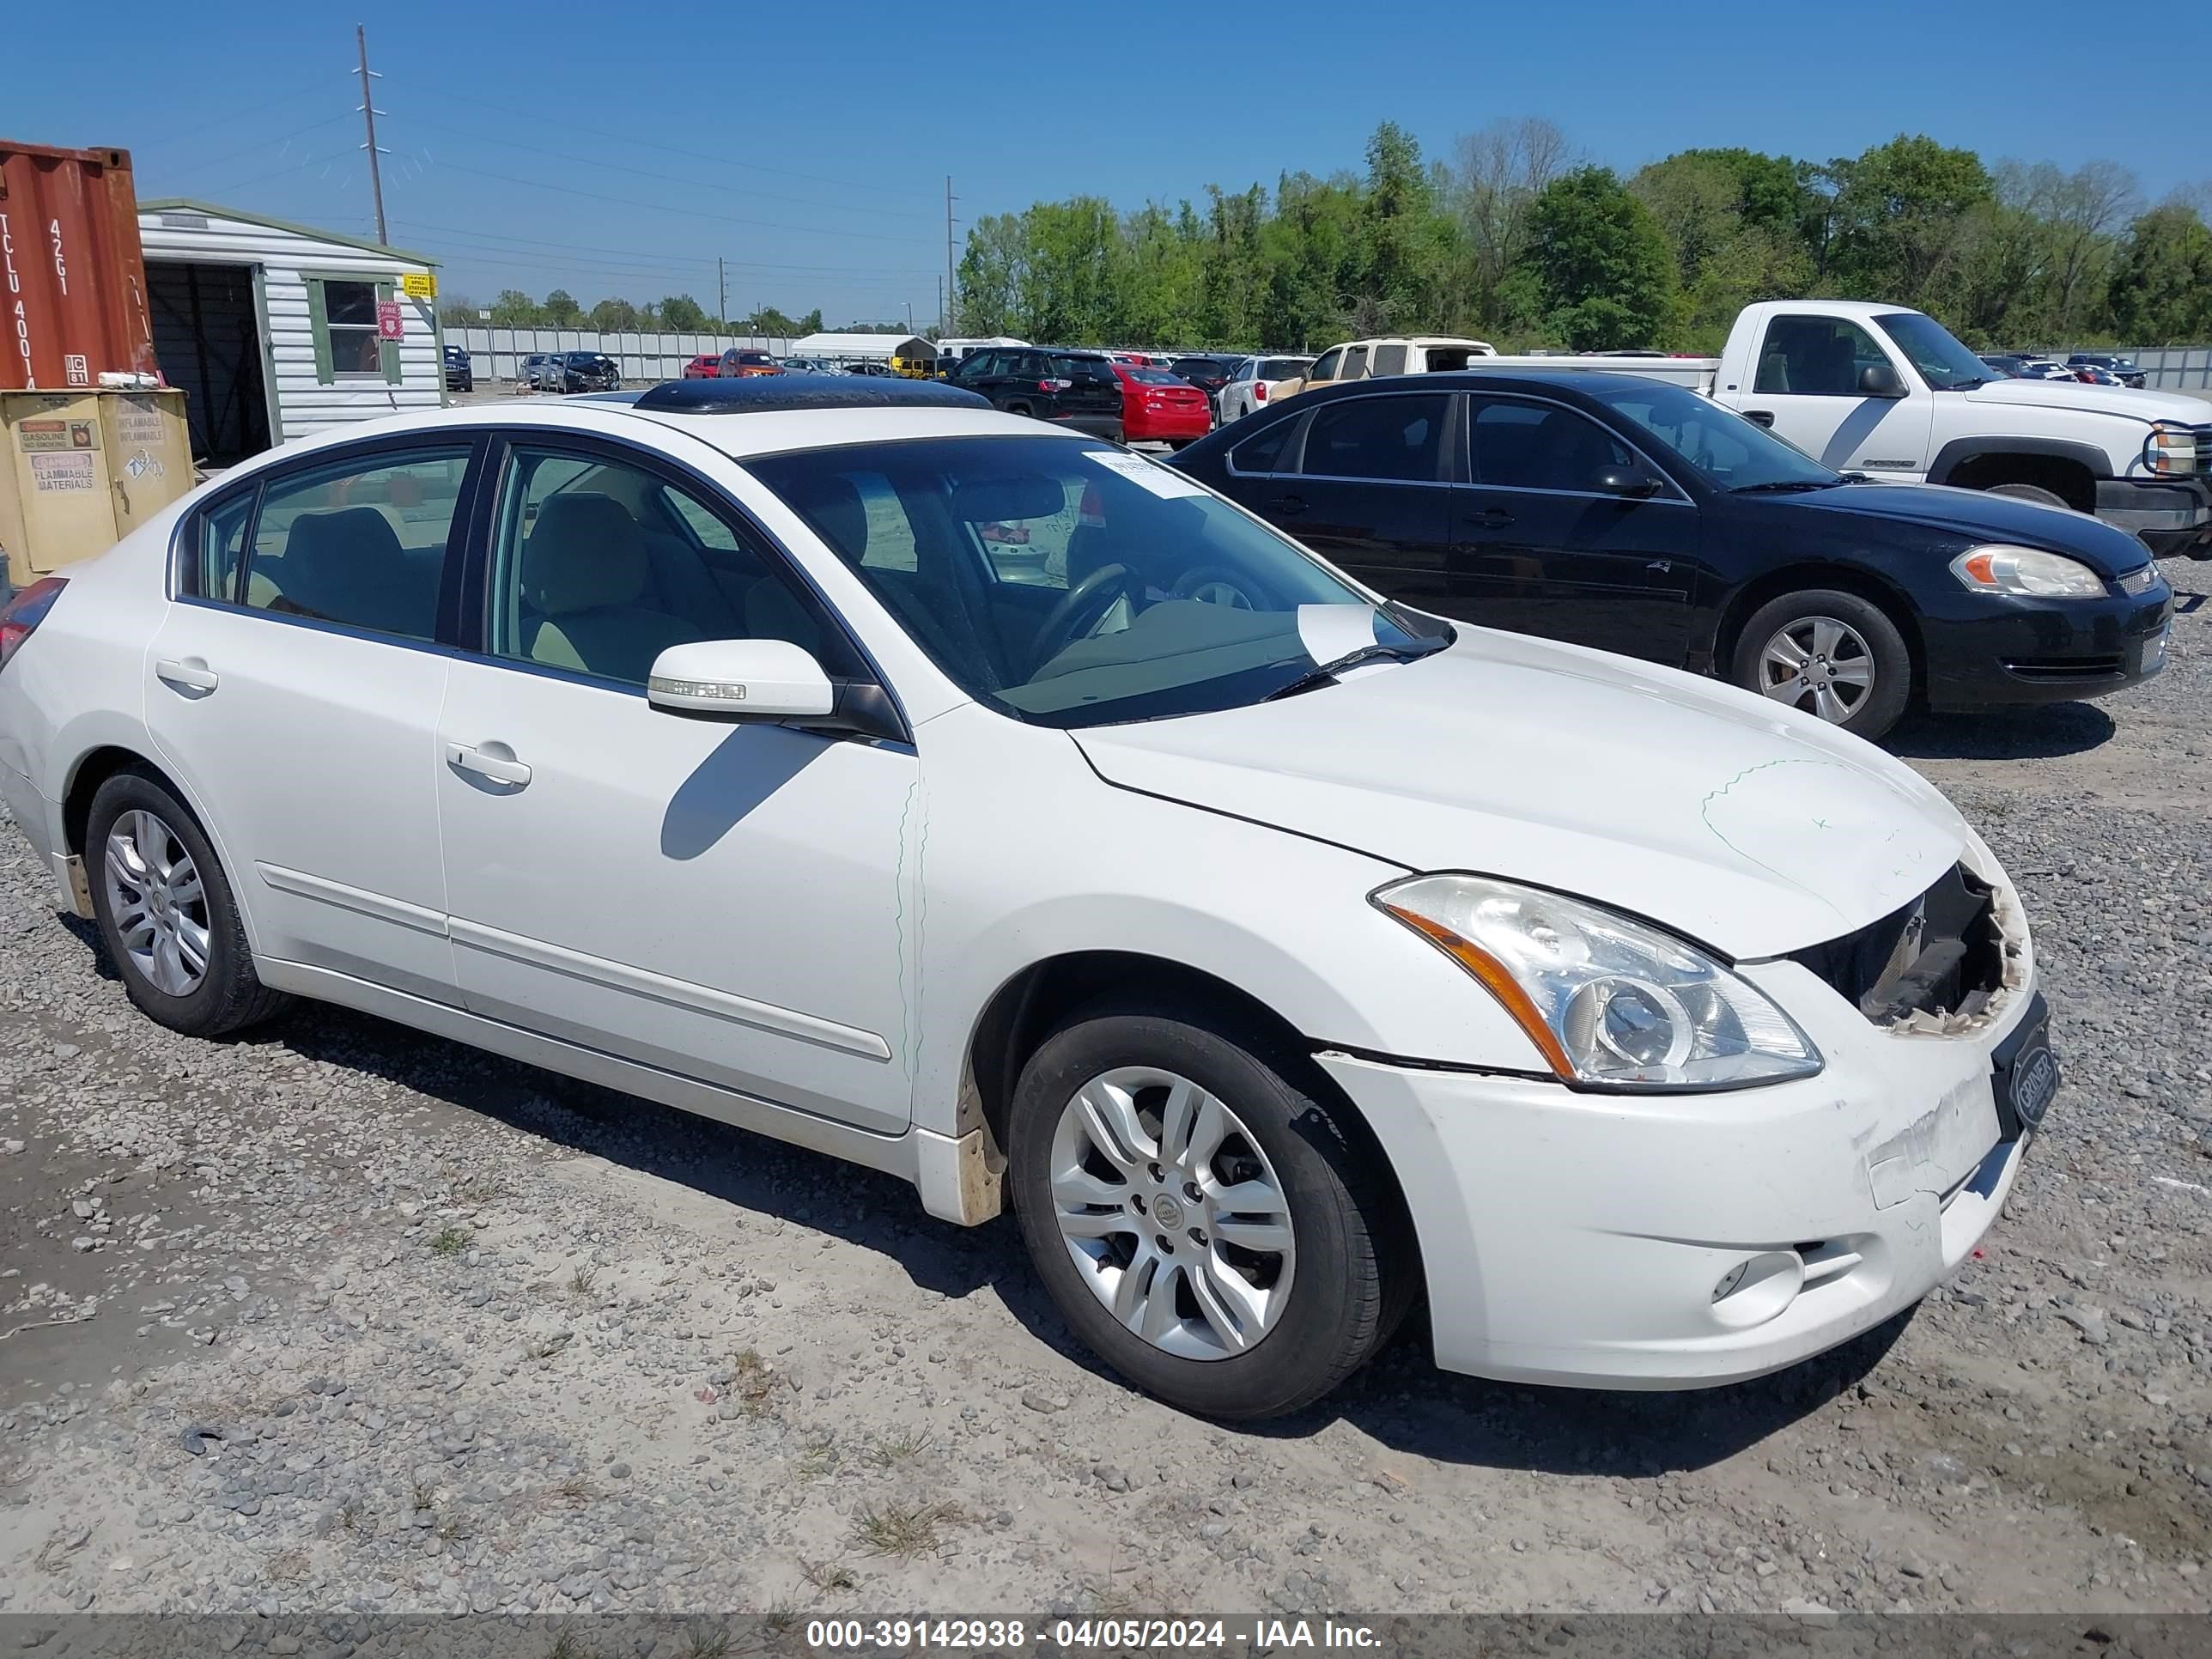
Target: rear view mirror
(1879, 380)
(987, 500)
(1627, 480)
(740, 679)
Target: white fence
(496, 354)
(2165, 368)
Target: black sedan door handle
(1490, 517)
(1759, 416)
(1290, 505)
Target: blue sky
(572, 145)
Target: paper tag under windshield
(1162, 481)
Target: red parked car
(707, 365)
(738, 364)
(1158, 406)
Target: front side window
(1139, 595)
(598, 566)
(361, 544)
(1815, 357)
(1382, 438)
(1517, 446)
(1326, 368)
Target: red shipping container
(72, 274)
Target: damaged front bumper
(1680, 1240)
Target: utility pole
(952, 293)
(944, 323)
(909, 317)
(368, 114)
(721, 291)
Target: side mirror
(1627, 480)
(1879, 380)
(740, 680)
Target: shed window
(342, 312)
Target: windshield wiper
(1781, 486)
(1326, 673)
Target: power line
(281, 138)
(463, 235)
(656, 207)
(631, 139)
(666, 177)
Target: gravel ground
(337, 1317)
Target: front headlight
(2170, 451)
(2028, 572)
(1607, 1001)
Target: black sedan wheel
(1830, 653)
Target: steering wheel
(1082, 606)
(1214, 584)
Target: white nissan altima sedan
(983, 802)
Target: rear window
(1282, 368)
(1155, 377)
(1091, 369)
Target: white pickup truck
(1890, 392)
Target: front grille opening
(1935, 963)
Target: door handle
(1759, 416)
(187, 674)
(1292, 505)
(1490, 517)
(500, 768)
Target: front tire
(2028, 492)
(167, 912)
(1209, 1223)
(1831, 653)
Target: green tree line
(679, 313)
(1516, 239)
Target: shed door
(207, 338)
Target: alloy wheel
(158, 902)
(1819, 664)
(1172, 1213)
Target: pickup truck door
(1805, 387)
(1538, 547)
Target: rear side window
(362, 543)
(1262, 450)
(1392, 439)
(221, 549)
(1355, 363)
(1389, 360)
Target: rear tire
(2028, 492)
(1293, 1323)
(1855, 671)
(165, 911)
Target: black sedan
(1634, 515)
(586, 371)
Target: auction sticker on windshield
(1135, 468)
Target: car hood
(1731, 821)
(2144, 406)
(1973, 515)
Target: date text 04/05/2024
(1166, 1635)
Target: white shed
(863, 348)
(275, 330)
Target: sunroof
(763, 394)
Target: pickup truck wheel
(1201, 1215)
(2027, 492)
(1830, 653)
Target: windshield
(1067, 583)
(1943, 361)
(1725, 449)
